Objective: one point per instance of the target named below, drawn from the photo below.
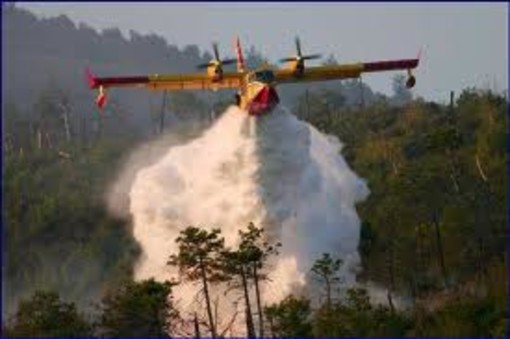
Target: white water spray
(275, 171)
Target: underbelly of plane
(262, 101)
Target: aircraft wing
(342, 71)
(192, 81)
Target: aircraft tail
(92, 81)
(239, 54)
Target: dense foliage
(58, 233)
(436, 215)
(44, 314)
(434, 225)
(137, 310)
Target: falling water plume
(275, 171)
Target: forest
(434, 227)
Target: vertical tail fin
(101, 97)
(239, 54)
(91, 79)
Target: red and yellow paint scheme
(256, 88)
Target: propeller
(299, 56)
(217, 60)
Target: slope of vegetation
(57, 231)
(436, 216)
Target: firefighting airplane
(256, 88)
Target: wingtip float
(256, 88)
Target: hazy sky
(464, 44)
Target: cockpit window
(265, 76)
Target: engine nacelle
(297, 66)
(215, 71)
(299, 69)
(214, 67)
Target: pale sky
(464, 44)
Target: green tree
(326, 271)
(45, 315)
(461, 317)
(198, 259)
(290, 317)
(358, 305)
(234, 263)
(389, 323)
(137, 310)
(60, 235)
(357, 317)
(249, 261)
(328, 321)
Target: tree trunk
(9, 144)
(362, 96)
(99, 125)
(207, 299)
(271, 326)
(307, 103)
(65, 117)
(48, 140)
(440, 250)
(391, 268)
(259, 304)
(83, 128)
(197, 328)
(67, 127)
(249, 320)
(330, 119)
(481, 256)
(162, 114)
(479, 167)
(328, 292)
(39, 138)
(390, 302)
(419, 263)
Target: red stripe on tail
(240, 58)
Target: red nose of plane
(265, 100)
